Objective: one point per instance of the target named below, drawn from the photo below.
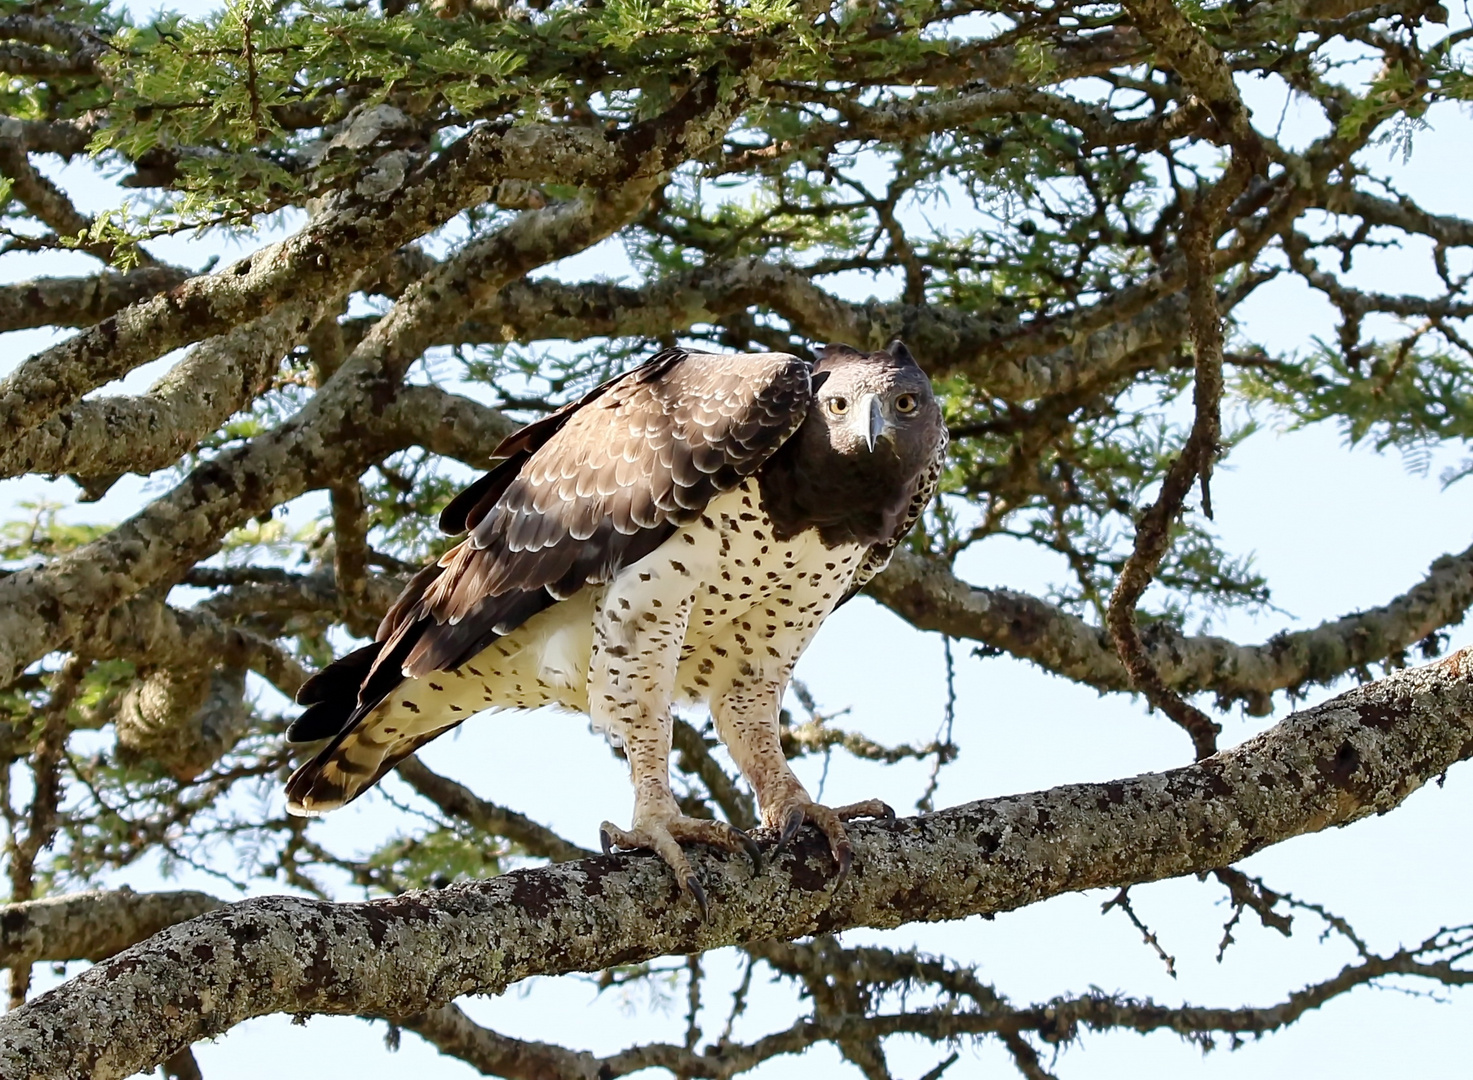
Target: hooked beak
(870, 419)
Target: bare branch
(104, 437)
(923, 591)
(80, 301)
(91, 925)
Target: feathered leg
(631, 677)
(747, 721)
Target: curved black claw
(752, 850)
(791, 824)
(845, 859)
(606, 841)
(790, 827)
(698, 894)
(889, 815)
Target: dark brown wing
(585, 491)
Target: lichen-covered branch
(1358, 754)
(1015, 358)
(152, 633)
(91, 925)
(81, 301)
(217, 378)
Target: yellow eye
(906, 403)
(838, 406)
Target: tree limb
(107, 436)
(81, 301)
(923, 591)
(91, 925)
(1359, 754)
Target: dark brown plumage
(692, 466)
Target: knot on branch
(183, 719)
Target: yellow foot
(799, 808)
(664, 837)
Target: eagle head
(877, 407)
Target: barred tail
(360, 758)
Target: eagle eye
(838, 405)
(906, 403)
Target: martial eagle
(677, 535)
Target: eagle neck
(848, 500)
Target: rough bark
(217, 378)
(1361, 753)
(81, 301)
(91, 925)
(1013, 358)
(155, 635)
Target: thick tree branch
(107, 436)
(153, 634)
(1359, 754)
(447, 424)
(1016, 359)
(1201, 67)
(81, 301)
(91, 925)
(923, 591)
(954, 63)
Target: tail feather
(354, 763)
(332, 696)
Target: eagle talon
(792, 822)
(753, 851)
(698, 894)
(606, 841)
(844, 856)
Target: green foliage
(40, 533)
(435, 858)
(1404, 395)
